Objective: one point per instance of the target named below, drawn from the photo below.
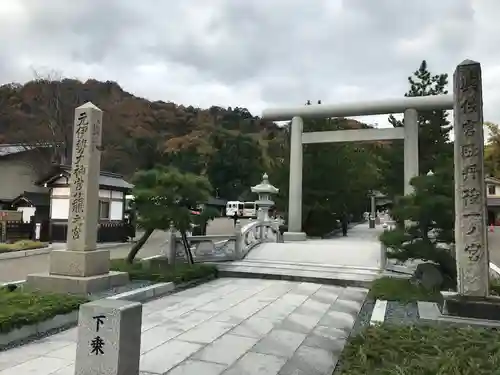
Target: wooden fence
(13, 230)
(107, 232)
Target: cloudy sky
(252, 53)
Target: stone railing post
(373, 208)
(238, 242)
(383, 256)
(171, 245)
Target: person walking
(235, 218)
(344, 225)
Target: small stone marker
(109, 338)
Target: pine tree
(435, 148)
(492, 150)
(429, 211)
(429, 214)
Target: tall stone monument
(470, 199)
(81, 268)
(471, 239)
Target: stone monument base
(79, 263)
(294, 236)
(46, 282)
(157, 263)
(487, 308)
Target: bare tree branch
(56, 115)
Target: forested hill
(44, 110)
(228, 144)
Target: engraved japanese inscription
(470, 194)
(84, 181)
(97, 343)
(109, 338)
(77, 200)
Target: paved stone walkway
(228, 326)
(361, 248)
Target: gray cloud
(252, 53)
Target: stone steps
(309, 272)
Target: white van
(250, 209)
(234, 206)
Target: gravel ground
(363, 319)
(400, 313)
(36, 337)
(396, 313)
(135, 284)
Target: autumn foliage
(136, 131)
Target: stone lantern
(265, 190)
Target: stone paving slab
(299, 272)
(227, 326)
(336, 251)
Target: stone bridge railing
(255, 233)
(220, 248)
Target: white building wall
(116, 210)
(105, 194)
(27, 213)
(60, 192)
(59, 208)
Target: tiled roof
(492, 180)
(114, 181)
(36, 199)
(105, 178)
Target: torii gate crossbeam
(409, 106)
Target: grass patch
(181, 273)
(422, 350)
(402, 290)
(19, 308)
(495, 287)
(21, 245)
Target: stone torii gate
(409, 106)
(471, 237)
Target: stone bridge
(231, 247)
